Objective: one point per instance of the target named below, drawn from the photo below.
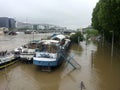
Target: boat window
(44, 55)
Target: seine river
(98, 71)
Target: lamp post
(33, 34)
(78, 40)
(112, 47)
(102, 37)
(86, 38)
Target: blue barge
(49, 55)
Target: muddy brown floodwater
(99, 71)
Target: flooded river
(98, 71)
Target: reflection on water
(99, 71)
(107, 68)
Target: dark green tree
(106, 16)
(95, 19)
(74, 38)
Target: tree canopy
(106, 16)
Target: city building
(7, 22)
(35, 27)
(21, 25)
(12, 23)
(41, 27)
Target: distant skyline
(72, 14)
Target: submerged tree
(76, 37)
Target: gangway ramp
(70, 60)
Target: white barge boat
(50, 54)
(6, 59)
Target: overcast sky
(68, 13)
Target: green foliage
(74, 38)
(95, 19)
(106, 16)
(91, 33)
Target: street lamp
(112, 47)
(103, 37)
